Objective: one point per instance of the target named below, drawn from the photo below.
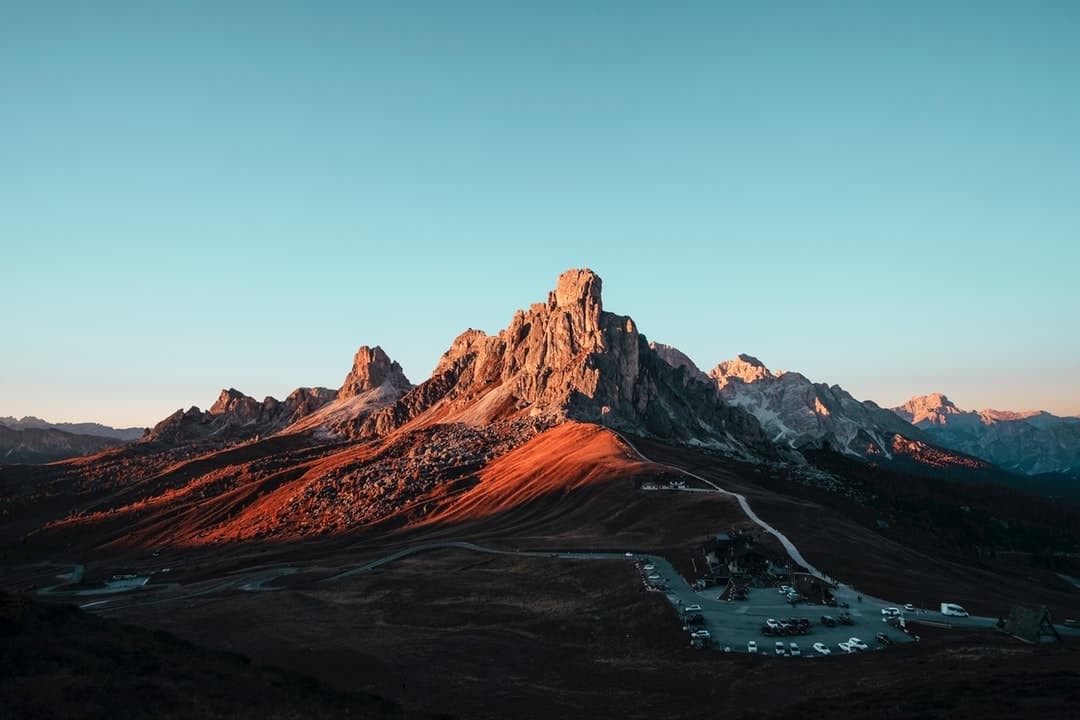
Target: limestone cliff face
(569, 359)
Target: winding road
(789, 547)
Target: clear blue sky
(195, 195)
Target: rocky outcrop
(374, 382)
(1031, 442)
(803, 414)
(567, 359)
(372, 368)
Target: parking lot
(733, 624)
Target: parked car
(650, 567)
(845, 647)
(858, 644)
(653, 576)
(883, 639)
(702, 633)
(692, 608)
(909, 607)
(772, 623)
(795, 652)
(890, 612)
(779, 648)
(828, 621)
(751, 647)
(845, 619)
(822, 649)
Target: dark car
(883, 639)
(828, 621)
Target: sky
(202, 195)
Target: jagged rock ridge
(565, 359)
(374, 382)
(800, 413)
(236, 416)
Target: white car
(909, 607)
(780, 648)
(858, 644)
(629, 554)
(703, 633)
(772, 624)
(845, 647)
(822, 649)
(785, 589)
(751, 647)
(890, 612)
(650, 567)
(795, 652)
(654, 576)
(692, 608)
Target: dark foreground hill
(59, 662)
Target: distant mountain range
(87, 428)
(1030, 442)
(33, 440)
(42, 445)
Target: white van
(953, 609)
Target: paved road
(789, 547)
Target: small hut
(1031, 625)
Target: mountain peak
(744, 368)
(227, 400)
(577, 287)
(371, 368)
(568, 359)
(931, 409)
